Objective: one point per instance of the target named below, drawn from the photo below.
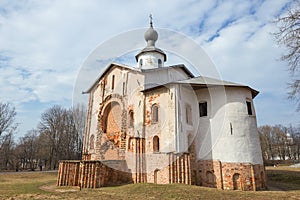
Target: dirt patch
(54, 188)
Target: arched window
(92, 142)
(154, 113)
(113, 82)
(155, 144)
(131, 119)
(159, 63)
(141, 62)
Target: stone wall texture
(231, 176)
(92, 174)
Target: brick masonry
(231, 176)
(93, 174)
(227, 176)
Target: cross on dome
(151, 35)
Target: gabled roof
(205, 82)
(109, 67)
(106, 69)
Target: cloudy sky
(43, 45)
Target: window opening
(249, 108)
(203, 109)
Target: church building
(152, 123)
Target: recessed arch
(236, 179)
(112, 118)
(210, 179)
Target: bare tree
(61, 133)
(51, 127)
(7, 128)
(279, 142)
(7, 151)
(7, 118)
(266, 142)
(28, 150)
(289, 36)
(79, 115)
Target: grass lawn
(284, 178)
(36, 185)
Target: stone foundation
(231, 176)
(174, 168)
(93, 174)
(208, 173)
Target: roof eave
(153, 50)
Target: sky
(44, 44)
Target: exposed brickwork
(68, 173)
(230, 176)
(93, 174)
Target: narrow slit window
(113, 82)
(188, 114)
(123, 88)
(203, 109)
(249, 108)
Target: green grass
(285, 178)
(36, 185)
(12, 184)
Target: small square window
(249, 108)
(203, 109)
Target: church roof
(106, 69)
(205, 82)
(155, 70)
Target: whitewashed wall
(228, 133)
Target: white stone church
(161, 124)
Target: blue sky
(44, 43)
